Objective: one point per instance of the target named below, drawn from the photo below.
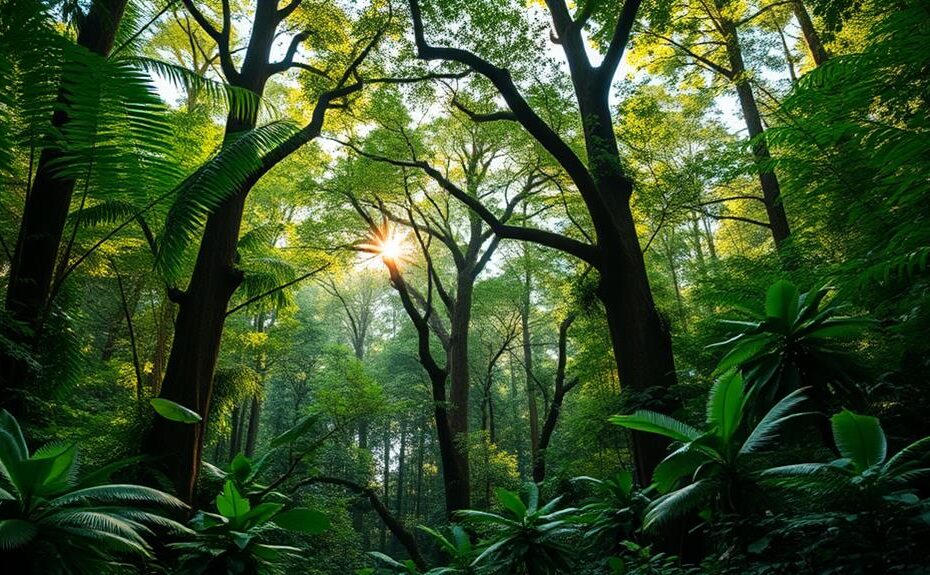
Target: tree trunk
(641, 342)
(164, 319)
(696, 244)
(673, 270)
(385, 480)
(545, 436)
(818, 51)
(789, 58)
(202, 308)
(532, 408)
(421, 441)
(515, 416)
(771, 190)
(234, 432)
(459, 375)
(454, 475)
(709, 235)
(32, 267)
(401, 461)
(255, 414)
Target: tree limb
(396, 527)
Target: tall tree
(708, 37)
(818, 51)
(35, 258)
(202, 307)
(473, 151)
(642, 346)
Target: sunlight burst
(392, 247)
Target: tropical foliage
(480, 288)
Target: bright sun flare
(391, 248)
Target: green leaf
(174, 411)
(241, 540)
(303, 520)
(652, 422)
(261, 513)
(744, 351)
(230, 503)
(510, 501)
(678, 503)
(781, 302)
(840, 328)
(771, 423)
(725, 405)
(617, 566)
(12, 444)
(680, 464)
(16, 533)
(241, 467)
(859, 438)
(301, 428)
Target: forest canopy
(446, 287)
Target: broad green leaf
(302, 520)
(781, 302)
(241, 467)
(16, 533)
(174, 411)
(261, 513)
(859, 438)
(241, 540)
(743, 352)
(624, 481)
(301, 428)
(510, 501)
(230, 503)
(840, 328)
(725, 405)
(677, 466)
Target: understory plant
(716, 469)
(235, 540)
(614, 511)
(795, 343)
(54, 520)
(526, 538)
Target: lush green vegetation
(477, 287)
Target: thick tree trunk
(818, 51)
(198, 331)
(459, 373)
(202, 308)
(771, 190)
(32, 267)
(640, 337)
